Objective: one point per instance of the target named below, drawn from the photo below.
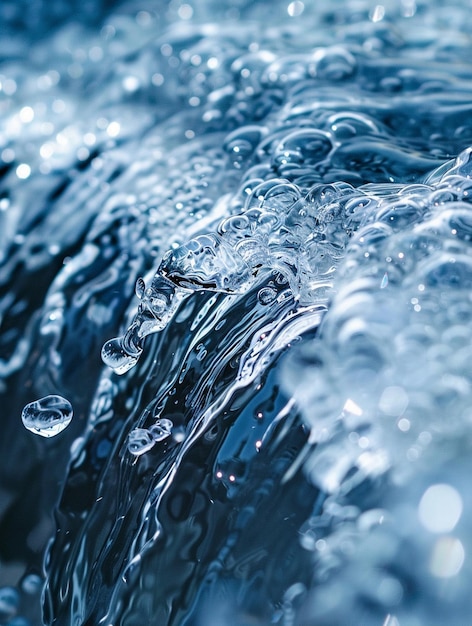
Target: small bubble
(48, 416)
(404, 424)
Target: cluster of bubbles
(141, 440)
(385, 390)
(300, 236)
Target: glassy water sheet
(235, 317)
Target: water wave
(259, 218)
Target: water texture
(235, 304)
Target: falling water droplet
(48, 416)
(384, 282)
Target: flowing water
(236, 305)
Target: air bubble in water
(140, 441)
(48, 416)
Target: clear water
(235, 244)
(47, 416)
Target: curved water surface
(259, 219)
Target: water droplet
(266, 295)
(117, 358)
(48, 416)
(161, 429)
(140, 441)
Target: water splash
(272, 223)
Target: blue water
(235, 301)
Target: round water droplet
(140, 441)
(48, 416)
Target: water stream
(235, 301)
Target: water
(235, 243)
(48, 416)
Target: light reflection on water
(263, 215)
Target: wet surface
(235, 277)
